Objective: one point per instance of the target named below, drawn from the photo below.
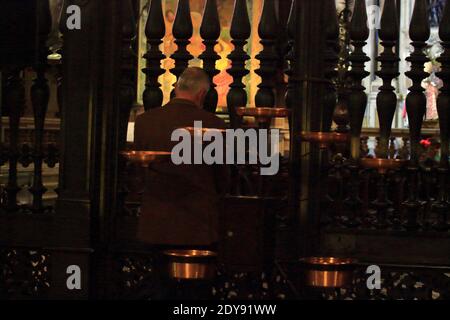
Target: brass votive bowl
(328, 272)
(382, 165)
(191, 264)
(263, 114)
(144, 158)
(324, 138)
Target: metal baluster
(398, 198)
(357, 101)
(127, 93)
(210, 32)
(127, 83)
(382, 203)
(378, 147)
(343, 84)
(40, 94)
(351, 202)
(155, 29)
(290, 57)
(392, 150)
(53, 154)
(59, 80)
(419, 32)
(331, 60)
(441, 205)
(334, 192)
(364, 148)
(404, 152)
(182, 31)
(240, 32)
(56, 61)
(386, 98)
(15, 102)
(267, 31)
(292, 95)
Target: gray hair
(193, 79)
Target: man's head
(193, 84)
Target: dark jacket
(180, 203)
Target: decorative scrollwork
(395, 285)
(24, 273)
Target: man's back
(180, 205)
(154, 128)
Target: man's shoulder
(149, 114)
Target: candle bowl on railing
(144, 158)
(324, 139)
(382, 165)
(191, 264)
(263, 115)
(328, 272)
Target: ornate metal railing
(399, 198)
(28, 141)
(385, 198)
(29, 152)
(333, 197)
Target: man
(180, 203)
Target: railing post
(210, 32)
(182, 31)
(59, 77)
(267, 30)
(331, 60)
(290, 57)
(443, 101)
(357, 101)
(419, 32)
(441, 204)
(387, 99)
(155, 30)
(240, 32)
(40, 94)
(15, 102)
(340, 116)
(127, 83)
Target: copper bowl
(263, 114)
(324, 138)
(191, 264)
(144, 158)
(328, 272)
(381, 164)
